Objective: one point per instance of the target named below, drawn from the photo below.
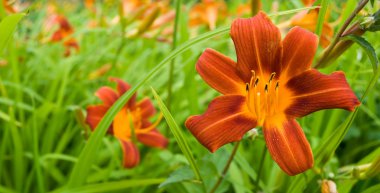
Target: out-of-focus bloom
(63, 33)
(308, 20)
(207, 13)
(132, 122)
(100, 71)
(328, 186)
(90, 5)
(3, 63)
(250, 8)
(8, 6)
(154, 19)
(270, 85)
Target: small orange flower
(65, 30)
(131, 122)
(270, 85)
(207, 12)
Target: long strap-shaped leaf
(7, 26)
(178, 135)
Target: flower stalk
(226, 167)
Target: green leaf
(373, 189)
(7, 26)
(375, 22)
(178, 135)
(367, 47)
(113, 186)
(180, 175)
(372, 1)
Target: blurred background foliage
(49, 72)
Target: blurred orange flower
(308, 19)
(270, 85)
(207, 13)
(63, 33)
(132, 122)
(8, 6)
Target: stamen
(258, 105)
(257, 81)
(272, 76)
(253, 73)
(276, 96)
(152, 126)
(266, 88)
(248, 97)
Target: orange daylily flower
(65, 30)
(270, 85)
(133, 119)
(207, 12)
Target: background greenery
(45, 145)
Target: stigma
(262, 96)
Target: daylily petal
(107, 95)
(219, 72)
(299, 47)
(95, 114)
(288, 146)
(146, 108)
(123, 87)
(313, 91)
(226, 120)
(153, 139)
(131, 155)
(258, 46)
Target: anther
(257, 81)
(277, 85)
(272, 76)
(266, 88)
(246, 87)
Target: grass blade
(321, 17)
(114, 186)
(7, 26)
(178, 135)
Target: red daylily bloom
(270, 85)
(133, 118)
(65, 30)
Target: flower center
(128, 123)
(262, 97)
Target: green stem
(336, 39)
(174, 46)
(221, 177)
(263, 155)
